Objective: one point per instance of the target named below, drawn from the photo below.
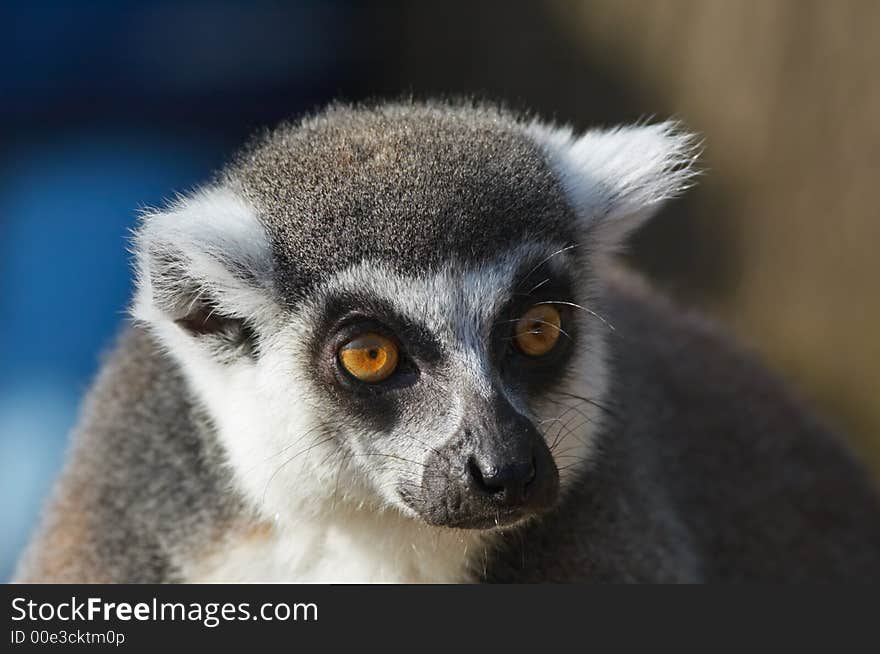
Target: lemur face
(454, 388)
(400, 307)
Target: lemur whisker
(595, 403)
(545, 260)
(342, 462)
(533, 320)
(305, 451)
(285, 448)
(537, 286)
(552, 445)
(576, 457)
(565, 427)
(570, 397)
(558, 437)
(430, 447)
(596, 315)
(330, 456)
(574, 409)
(571, 408)
(569, 431)
(392, 456)
(572, 466)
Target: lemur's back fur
(220, 442)
(145, 482)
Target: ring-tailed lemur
(389, 343)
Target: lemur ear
(204, 265)
(618, 178)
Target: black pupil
(373, 354)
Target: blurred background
(108, 107)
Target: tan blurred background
(780, 239)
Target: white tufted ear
(617, 178)
(203, 264)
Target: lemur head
(399, 307)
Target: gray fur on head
(415, 185)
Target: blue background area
(106, 108)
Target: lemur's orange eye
(538, 330)
(369, 357)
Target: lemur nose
(508, 483)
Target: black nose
(496, 471)
(508, 483)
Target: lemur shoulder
(390, 343)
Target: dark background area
(106, 108)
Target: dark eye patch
(345, 316)
(537, 282)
